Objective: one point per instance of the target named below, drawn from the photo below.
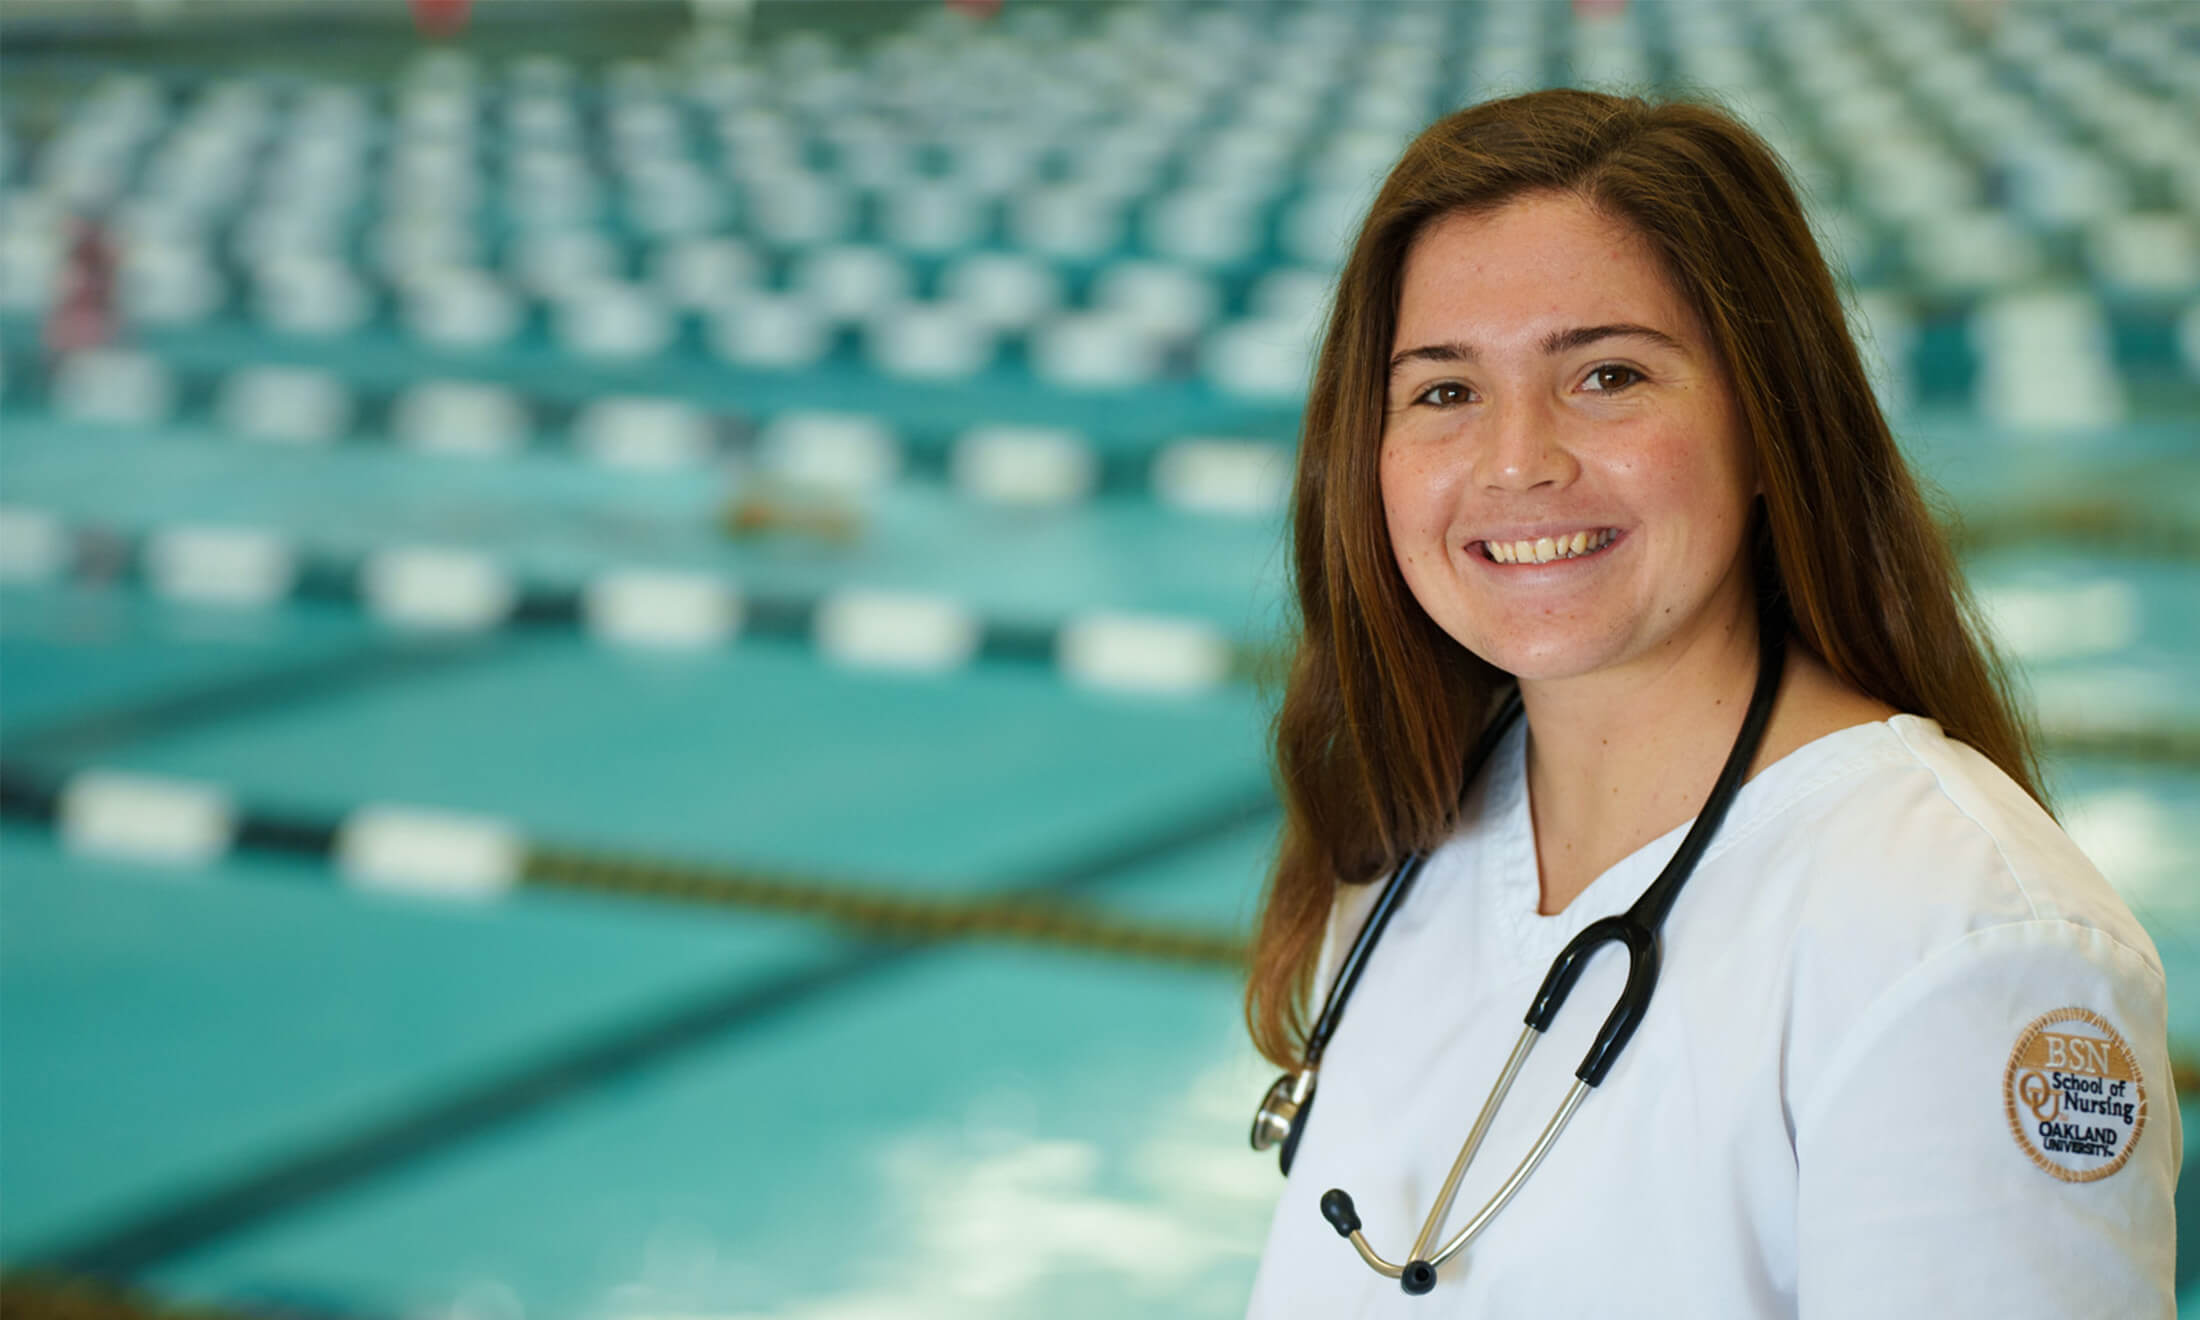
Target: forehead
(1536, 264)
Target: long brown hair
(1381, 705)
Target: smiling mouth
(1548, 549)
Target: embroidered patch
(2074, 1096)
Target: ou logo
(2044, 1101)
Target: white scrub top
(1908, 1056)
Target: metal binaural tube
(1431, 1226)
(1337, 1209)
(1374, 1262)
(1527, 1165)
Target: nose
(1525, 448)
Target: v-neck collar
(1509, 881)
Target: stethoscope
(1284, 1110)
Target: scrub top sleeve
(1995, 1136)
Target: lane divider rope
(2105, 525)
(994, 463)
(429, 590)
(1001, 464)
(184, 823)
(45, 1294)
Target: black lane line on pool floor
(74, 739)
(197, 1220)
(240, 1205)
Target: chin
(1543, 659)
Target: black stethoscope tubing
(1637, 928)
(1378, 917)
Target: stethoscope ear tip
(1337, 1209)
(1419, 1276)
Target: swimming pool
(529, 819)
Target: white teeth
(1544, 549)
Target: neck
(1616, 759)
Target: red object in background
(981, 8)
(440, 18)
(84, 315)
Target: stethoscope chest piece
(1281, 1111)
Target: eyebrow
(1558, 341)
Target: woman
(1586, 416)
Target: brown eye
(1612, 377)
(1444, 395)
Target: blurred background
(635, 637)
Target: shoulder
(1890, 862)
(1927, 898)
(1914, 843)
(1972, 1009)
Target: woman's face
(1566, 483)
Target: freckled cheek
(1665, 474)
(1417, 495)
